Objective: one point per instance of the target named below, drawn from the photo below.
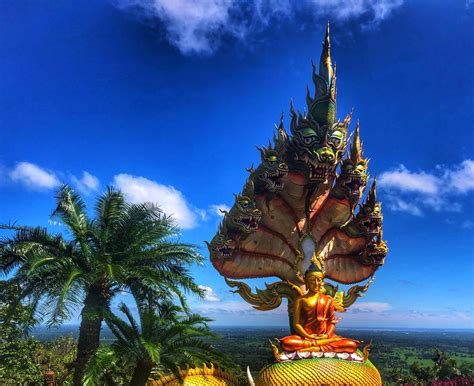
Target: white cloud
(410, 191)
(55, 223)
(404, 180)
(372, 307)
(198, 26)
(461, 179)
(33, 176)
(171, 201)
(217, 208)
(192, 26)
(229, 307)
(399, 205)
(209, 294)
(87, 183)
(376, 10)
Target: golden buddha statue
(313, 318)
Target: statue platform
(319, 371)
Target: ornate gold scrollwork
(347, 299)
(271, 297)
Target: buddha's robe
(319, 320)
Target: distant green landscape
(393, 352)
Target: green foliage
(126, 247)
(443, 367)
(17, 351)
(422, 373)
(17, 358)
(57, 356)
(165, 340)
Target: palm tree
(126, 247)
(166, 340)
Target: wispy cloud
(461, 178)
(400, 205)
(87, 183)
(33, 176)
(172, 201)
(411, 192)
(209, 294)
(198, 26)
(343, 10)
(217, 209)
(168, 198)
(370, 307)
(406, 181)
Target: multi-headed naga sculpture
(299, 206)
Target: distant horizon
(286, 326)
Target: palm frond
(71, 210)
(105, 362)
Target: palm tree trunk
(89, 332)
(141, 373)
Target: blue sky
(167, 101)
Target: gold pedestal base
(319, 371)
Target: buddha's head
(314, 278)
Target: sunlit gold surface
(319, 371)
(198, 376)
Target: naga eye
(336, 139)
(308, 136)
(310, 140)
(272, 159)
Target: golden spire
(325, 65)
(356, 147)
(372, 196)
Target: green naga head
(316, 149)
(221, 246)
(318, 141)
(353, 178)
(244, 215)
(369, 219)
(271, 170)
(375, 251)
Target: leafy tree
(57, 356)
(467, 370)
(444, 366)
(17, 351)
(422, 373)
(399, 376)
(126, 247)
(167, 339)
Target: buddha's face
(314, 281)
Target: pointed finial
(326, 39)
(372, 197)
(292, 108)
(348, 118)
(356, 147)
(325, 65)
